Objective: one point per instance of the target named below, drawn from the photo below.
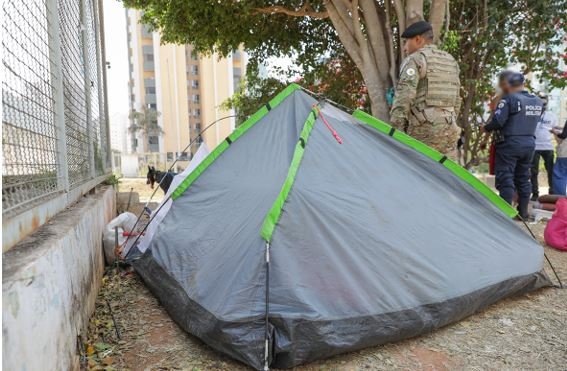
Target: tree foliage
(367, 30)
(351, 49)
(486, 37)
(335, 77)
(145, 122)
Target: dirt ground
(528, 332)
(139, 185)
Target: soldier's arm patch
(501, 104)
(410, 71)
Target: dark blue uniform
(516, 117)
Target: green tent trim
(246, 125)
(455, 168)
(276, 210)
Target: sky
(117, 56)
(117, 75)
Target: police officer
(427, 100)
(516, 116)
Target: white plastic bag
(124, 222)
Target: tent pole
(168, 170)
(267, 331)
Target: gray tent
(286, 242)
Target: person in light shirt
(543, 148)
(560, 168)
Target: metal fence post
(54, 41)
(85, 39)
(104, 87)
(101, 70)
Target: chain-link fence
(54, 125)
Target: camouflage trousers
(440, 135)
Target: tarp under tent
(310, 232)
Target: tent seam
(436, 156)
(222, 146)
(274, 214)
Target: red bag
(555, 233)
(491, 159)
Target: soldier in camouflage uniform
(427, 99)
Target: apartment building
(185, 89)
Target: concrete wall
(50, 283)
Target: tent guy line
(560, 286)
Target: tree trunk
(377, 89)
(436, 17)
(363, 26)
(368, 52)
(414, 11)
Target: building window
(195, 98)
(194, 69)
(236, 54)
(150, 90)
(146, 31)
(197, 112)
(148, 52)
(152, 106)
(195, 84)
(169, 156)
(153, 141)
(236, 77)
(198, 127)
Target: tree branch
(436, 17)
(342, 8)
(401, 15)
(379, 44)
(448, 16)
(387, 29)
(356, 24)
(306, 10)
(345, 34)
(414, 11)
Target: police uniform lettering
(534, 110)
(517, 115)
(516, 118)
